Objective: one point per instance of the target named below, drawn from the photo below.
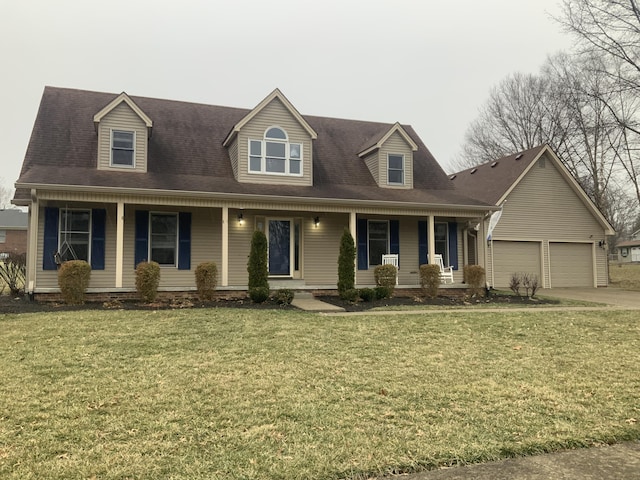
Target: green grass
(625, 276)
(241, 394)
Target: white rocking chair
(391, 259)
(446, 273)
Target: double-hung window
(395, 169)
(74, 235)
(122, 148)
(378, 241)
(164, 238)
(274, 154)
(442, 240)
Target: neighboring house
(548, 226)
(116, 180)
(13, 232)
(629, 250)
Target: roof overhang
(276, 94)
(395, 128)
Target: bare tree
(6, 194)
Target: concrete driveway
(608, 295)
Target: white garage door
(571, 264)
(515, 257)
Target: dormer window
(275, 155)
(395, 169)
(122, 148)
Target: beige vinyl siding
(122, 118)
(514, 257)
(274, 114)
(240, 246)
(322, 248)
(373, 164)
(99, 278)
(205, 245)
(543, 207)
(395, 144)
(571, 264)
(233, 155)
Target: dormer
(123, 133)
(272, 144)
(390, 158)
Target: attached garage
(571, 264)
(515, 257)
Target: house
(628, 251)
(13, 232)
(116, 179)
(548, 226)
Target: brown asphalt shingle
(185, 153)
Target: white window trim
(263, 154)
(369, 240)
(389, 182)
(111, 164)
(165, 265)
(60, 225)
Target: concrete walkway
(306, 301)
(617, 462)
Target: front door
(279, 235)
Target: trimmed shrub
(474, 275)
(383, 292)
(350, 295)
(367, 294)
(346, 262)
(385, 276)
(73, 280)
(206, 280)
(257, 265)
(147, 280)
(259, 294)
(430, 279)
(13, 272)
(284, 296)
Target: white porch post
(352, 229)
(32, 249)
(465, 247)
(225, 247)
(431, 238)
(119, 244)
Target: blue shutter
(98, 224)
(453, 245)
(142, 237)
(423, 248)
(50, 247)
(394, 238)
(363, 251)
(184, 241)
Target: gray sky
(427, 63)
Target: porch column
(225, 247)
(431, 238)
(119, 244)
(465, 246)
(32, 246)
(352, 229)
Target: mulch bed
(22, 304)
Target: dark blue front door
(279, 247)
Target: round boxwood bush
(430, 279)
(383, 292)
(350, 295)
(367, 294)
(147, 280)
(73, 280)
(284, 296)
(259, 294)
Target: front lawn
(625, 276)
(242, 394)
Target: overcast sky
(427, 63)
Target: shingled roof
(490, 181)
(186, 154)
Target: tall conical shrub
(346, 262)
(257, 266)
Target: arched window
(274, 154)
